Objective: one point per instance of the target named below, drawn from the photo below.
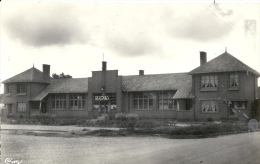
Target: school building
(218, 89)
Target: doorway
(44, 107)
(104, 107)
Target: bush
(126, 116)
(43, 115)
(126, 120)
(147, 124)
(255, 112)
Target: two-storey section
(224, 88)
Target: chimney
(203, 57)
(46, 71)
(104, 66)
(141, 72)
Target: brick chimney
(46, 72)
(141, 72)
(104, 66)
(203, 57)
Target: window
(21, 88)
(233, 80)
(110, 98)
(209, 106)
(59, 101)
(143, 101)
(21, 107)
(165, 100)
(9, 108)
(209, 81)
(7, 88)
(77, 101)
(238, 104)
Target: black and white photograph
(129, 82)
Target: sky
(157, 37)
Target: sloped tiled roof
(223, 63)
(76, 85)
(156, 82)
(30, 75)
(184, 93)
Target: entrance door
(104, 107)
(44, 107)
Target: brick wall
(246, 91)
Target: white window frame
(21, 106)
(209, 81)
(209, 106)
(77, 102)
(58, 102)
(9, 108)
(236, 105)
(7, 88)
(21, 88)
(165, 99)
(142, 101)
(233, 80)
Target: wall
(246, 91)
(13, 98)
(67, 112)
(113, 84)
(175, 114)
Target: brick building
(221, 88)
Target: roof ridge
(70, 78)
(156, 74)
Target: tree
(61, 76)
(256, 109)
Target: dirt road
(237, 149)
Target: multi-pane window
(9, 108)
(233, 80)
(7, 88)
(209, 81)
(21, 107)
(238, 104)
(143, 101)
(21, 88)
(77, 101)
(209, 106)
(165, 100)
(58, 101)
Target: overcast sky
(156, 37)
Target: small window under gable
(233, 81)
(21, 88)
(7, 88)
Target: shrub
(126, 116)
(43, 115)
(255, 112)
(147, 124)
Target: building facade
(221, 88)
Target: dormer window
(21, 88)
(209, 82)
